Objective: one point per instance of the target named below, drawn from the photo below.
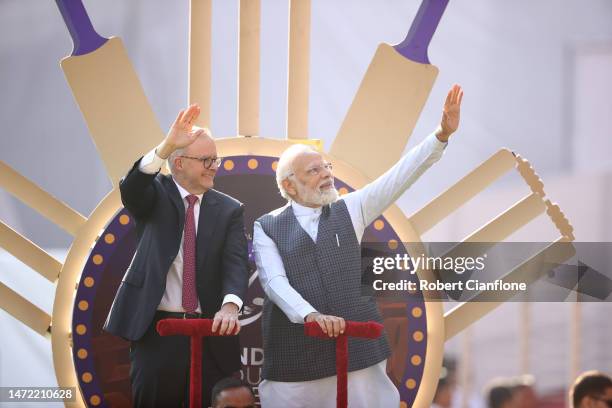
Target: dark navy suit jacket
(221, 257)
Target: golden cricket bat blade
(390, 98)
(108, 92)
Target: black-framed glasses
(316, 170)
(206, 161)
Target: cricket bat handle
(414, 47)
(84, 38)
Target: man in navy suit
(191, 262)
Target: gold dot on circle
(343, 191)
(392, 244)
(410, 383)
(109, 238)
(83, 305)
(97, 259)
(95, 400)
(81, 329)
(417, 311)
(403, 404)
(252, 163)
(124, 219)
(89, 281)
(228, 165)
(274, 165)
(415, 360)
(87, 377)
(82, 354)
(418, 335)
(379, 224)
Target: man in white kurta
(307, 182)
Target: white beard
(314, 197)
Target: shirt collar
(184, 193)
(301, 210)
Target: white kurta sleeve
(366, 204)
(273, 278)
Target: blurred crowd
(591, 389)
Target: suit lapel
(177, 201)
(206, 226)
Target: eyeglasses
(206, 161)
(315, 171)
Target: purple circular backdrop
(102, 360)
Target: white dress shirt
(369, 387)
(172, 301)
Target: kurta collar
(301, 210)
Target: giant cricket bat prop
(108, 92)
(390, 98)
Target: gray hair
(284, 168)
(181, 151)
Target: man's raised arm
(372, 200)
(137, 191)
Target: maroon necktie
(190, 296)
